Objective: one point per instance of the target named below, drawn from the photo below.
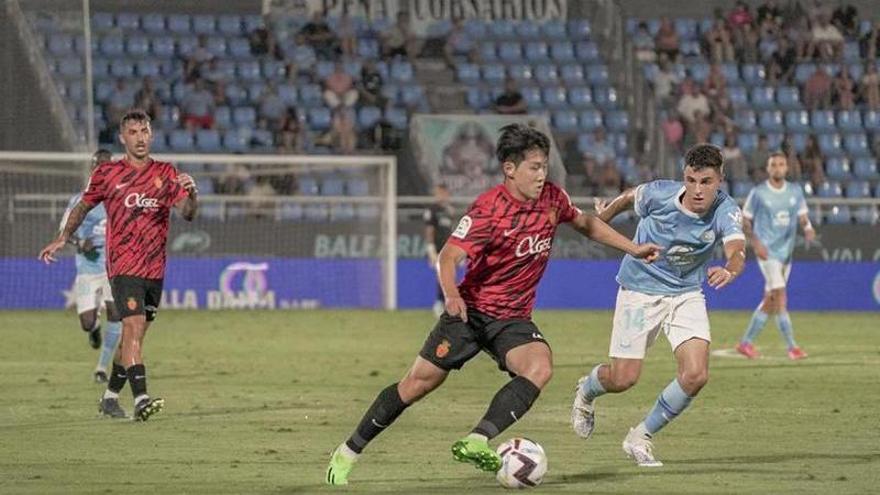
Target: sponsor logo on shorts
(442, 349)
(131, 303)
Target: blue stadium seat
(353, 68)
(489, 53)
(207, 140)
(789, 98)
(502, 29)
(153, 23)
(803, 71)
(837, 168)
(244, 116)
(871, 120)
(162, 47)
(546, 75)
(521, 73)
(122, 68)
(160, 140)
(147, 67)
(304, 56)
(747, 141)
(102, 21)
(565, 120)
(554, 97)
(731, 73)
(476, 98)
(587, 51)
(598, 75)
(70, 67)
(771, 121)
(216, 45)
(222, 117)
(412, 95)
(240, 48)
(838, 215)
(532, 95)
(851, 51)
(357, 186)
(753, 74)
(290, 211)
(797, 120)
(739, 96)
(763, 97)
(562, 51)
(60, 44)
(829, 189)
(867, 215)
(310, 95)
(255, 91)
(799, 142)
(262, 140)
(342, 212)
(127, 22)
(572, 74)
(179, 24)
(229, 25)
(580, 97)
(332, 186)
(397, 117)
(367, 212)
(856, 144)
(858, 189)
(849, 120)
(467, 73)
(590, 120)
(236, 139)
(368, 116)
(537, 52)
(685, 27)
(235, 94)
(554, 30)
(368, 49)
(324, 68)
(579, 29)
(137, 46)
(111, 45)
(690, 49)
(308, 186)
(823, 121)
(248, 70)
(831, 144)
(270, 69)
(865, 168)
(509, 51)
(698, 71)
(181, 140)
(745, 119)
(252, 22)
(617, 120)
(493, 74)
(287, 93)
(401, 71)
(605, 97)
(204, 24)
(186, 45)
(319, 118)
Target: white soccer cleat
(641, 449)
(583, 413)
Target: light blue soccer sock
(671, 402)
(759, 319)
(108, 348)
(592, 387)
(783, 321)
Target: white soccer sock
(109, 394)
(642, 431)
(139, 398)
(346, 451)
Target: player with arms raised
(138, 194)
(688, 220)
(768, 214)
(506, 235)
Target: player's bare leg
(693, 373)
(90, 322)
(421, 379)
(134, 328)
(617, 377)
(532, 364)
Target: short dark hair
(101, 156)
(703, 155)
(134, 115)
(518, 139)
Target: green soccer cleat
(338, 469)
(478, 453)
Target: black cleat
(95, 338)
(100, 376)
(148, 407)
(110, 408)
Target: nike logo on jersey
(120, 186)
(508, 233)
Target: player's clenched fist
(455, 306)
(719, 276)
(187, 182)
(648, 252)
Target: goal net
(274, 232)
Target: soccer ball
(523, 463)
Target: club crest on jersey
(464, 226)
(131, 303)
(442, 349)
(533, 244)
(157, 182)
(708, 236)
(140, 200)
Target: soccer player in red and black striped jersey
(138, 194)
(506, 236)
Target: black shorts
(453, 342)
(136, 295)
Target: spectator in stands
(371, 85)
(219, 92)
(720, 42)
(844, 95)
(746, 40)
(667, 41)
(812, 162)
(665, 82)
(458, 44)
(600, 150)
(798, 34)
(817, 90)
(715, 84)
(272, 107)
(261, 189)
(317, 34)
(870, 87)
(735, 167)
(212, 74)
(147, 100)
(263, 42)
(757, 162)
(826, 41)
(343, 133)
(768, 11)
(511, 101)
(347, 35)
(290, 137)
(644, 44)
(722, 112)
(740, 16)
(691, 102)
(845, 17)
(120, 101)
(339, 88)
(399, 39)
(794, 161)
(198, 107)
(673, 131)
(780, 68)
(234, 181)
(198, 59)
(869, 44)
(701, 131)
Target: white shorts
(90, 289)
(775, 273)
(639, 318)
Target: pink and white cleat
(796, 353)
(749, 351)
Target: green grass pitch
(255, 401)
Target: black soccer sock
(137, 377)
(509, 404)
(117, 378)
(385, 409)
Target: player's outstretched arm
(596, 229)
(188, 206)
(74, 220)
(606, 210)
(449, 258)
(735, 252)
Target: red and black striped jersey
(138, 201)
(508, 243)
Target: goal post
(274, 231)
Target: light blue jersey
(93, 227)
(774, 214)
(688, 240)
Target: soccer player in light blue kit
(688, 219)
(91, 286)
(769, 215)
